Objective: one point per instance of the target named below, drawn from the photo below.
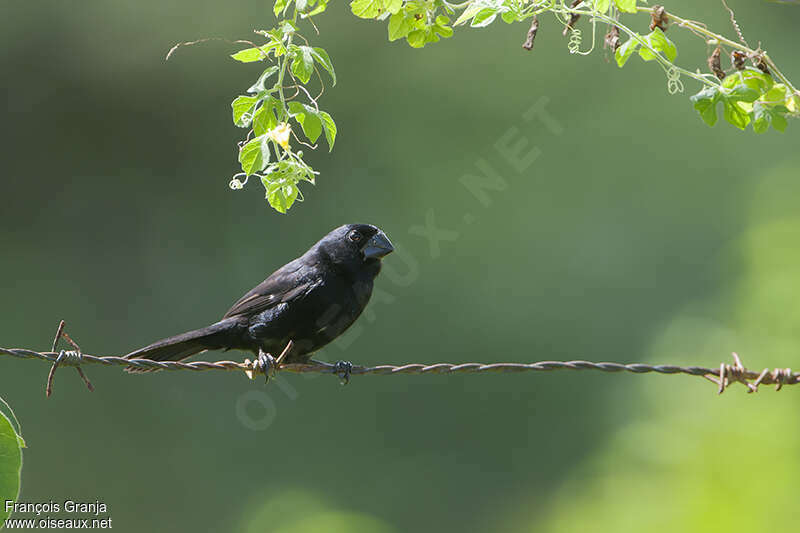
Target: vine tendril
(575, 39)
(674, 83)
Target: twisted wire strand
(729, 373)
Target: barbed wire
(723, 376)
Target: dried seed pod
(528, 44)
(659, 18)
(612, 39)
(715, 64)
(758, 61)
(737, 59)
(572, 19)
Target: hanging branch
(278, 106)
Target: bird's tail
(184, 345)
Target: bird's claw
(343, 369)
(266, 363)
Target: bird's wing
(286, 284)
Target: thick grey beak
(378, 246)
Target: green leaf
(444, 31)
(628, 6)
(260, 84)
(468, 13)
(321, 56)
(625, 51)
(265, 119)
(659, 42)
(312, 126)
(735, 114)
(751, 77)
(393, 6)
(294, 170)
(308, 117)
(251, 155)
(265, 154)
(742, 93)
(416, 38)
(242, 107)
(281, 193)
(776, 95)
(793, 103)
(737, 104)
(484, 17)
(399, 26)
(761, 118)
(330, 129)
(779, 122)
(765, 115)
(322, 6)
(280, 7)
(286, 28)
(370, 9)
(602, 5)
(431, 36)
(10, 464)
(705, 102)
(250, 55)
(9, 413)
(303, 63)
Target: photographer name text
(96, 510)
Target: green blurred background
(639, 234)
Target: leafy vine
(268, 111)
(758, 94)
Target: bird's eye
(354, 236)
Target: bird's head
(354, 246)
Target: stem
(694, 26)
(284, 63)
(633, 35)
(284, 113)
(559, 7)
(458, 6)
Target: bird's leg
(285, 352)
(343, 370)
(267, 363)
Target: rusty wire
(723, 376)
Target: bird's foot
(267, 364)
(343, 369)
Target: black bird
(309, 301)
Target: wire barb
(779, 376)
(66, 357)
(732, 373)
